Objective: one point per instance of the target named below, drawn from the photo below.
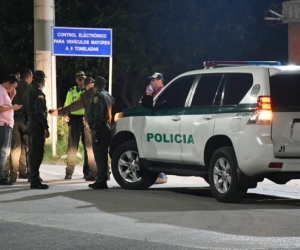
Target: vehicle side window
(174, 95)
(236, 87)
(207, 88)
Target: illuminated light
(265, 99)
(291, 67)
(264, 109)
(210, 64)
(275, 165)
(264, 102)
(118, 116)
(266, 106)
(265, 117)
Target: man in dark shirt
(37, 126)
(83, 102)
(16, 162)
(99, 119)
(157, 85)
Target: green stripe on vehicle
(203, 110)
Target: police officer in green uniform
(99, 119)
(83, 102)
(37, 126)
(76, 131)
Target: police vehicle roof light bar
(211, 64)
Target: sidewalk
(54, 175)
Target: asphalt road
(181, 214)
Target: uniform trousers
(100, 149)
(36, 149)
(80, 129)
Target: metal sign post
(86, 42)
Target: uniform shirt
(35, 105)
(99, 113)
(83, 102)
(18, 99)
(7, 116)
(72, 96)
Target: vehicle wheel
(223, 178)
(126, 169)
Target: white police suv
(232, 123)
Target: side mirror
(147, 101)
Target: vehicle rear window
(236, 87)
(285, 90)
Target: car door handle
(209, 117)
(176, 118)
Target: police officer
(76, 130)
(83, 102)
(99, 119)
(37, 126)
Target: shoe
(98, 185)
(5, 181)
(68, 177)
(161, 179)
(23, 176)
(39, 185)
(85, 176)
(40, 179)
(13, 180)
(90, 178)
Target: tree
(169, 36)
(16, 35)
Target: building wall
(294, 43)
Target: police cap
(39, 75)
(88, 80)
(100, 82)
(80, 74)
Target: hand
(148, 91)
(16, 106)
(12, 94)
(66, 118)
(54, 112)
(46, 133)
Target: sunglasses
(80, 79)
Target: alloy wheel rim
(128, 166)
(222, 175)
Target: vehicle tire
(126, 169)
(223, 178)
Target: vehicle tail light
(264, 110)
(275, 165)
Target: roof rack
(213, 64)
